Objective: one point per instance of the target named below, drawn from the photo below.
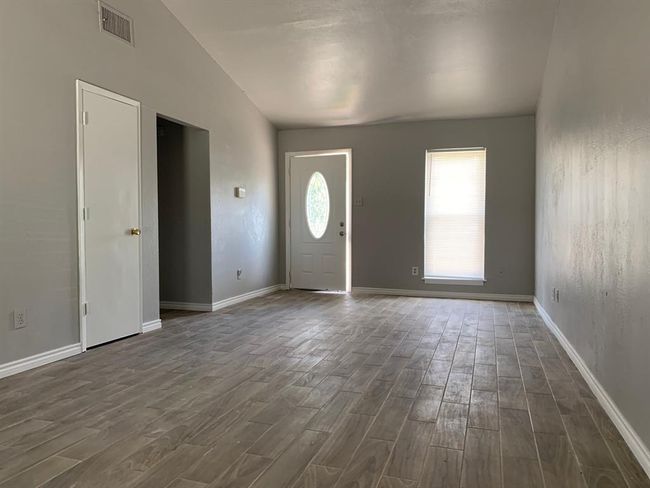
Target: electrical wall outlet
(358, 202)
(239, 273)
(415, 271)
(20, 318)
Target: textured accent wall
(593, 203)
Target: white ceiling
(339, 62)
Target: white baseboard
(444, 294)
(637, 446)
(37, 360)
(194, 307)
(226, 302)
(284, 286)
(245, 296)
(151, 326)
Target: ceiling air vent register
(115, 23)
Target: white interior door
(318, 222)
(110, 198)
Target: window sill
(454, 281)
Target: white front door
(318, 222)
(110, 198)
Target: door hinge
(84, 118)
(85, 309)
(85, 213)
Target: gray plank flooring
(315, 390)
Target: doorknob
(135, 231)
(342, 233)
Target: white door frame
(348, 209)
(81, 87)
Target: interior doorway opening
(184, 223)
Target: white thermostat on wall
(240, 192)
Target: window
(317, 205)
(454, 216)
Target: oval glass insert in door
(317, 205)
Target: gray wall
(44, 47)
(184, 241)
(593, 205)
(388, 163)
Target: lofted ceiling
(310, 63)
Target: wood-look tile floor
(317, 390)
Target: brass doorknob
(135, 231)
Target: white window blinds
(454, 213)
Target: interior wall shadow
(184, 213)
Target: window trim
(454, 280)
(433, 280)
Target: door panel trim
(82, 86)
(348, 209)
